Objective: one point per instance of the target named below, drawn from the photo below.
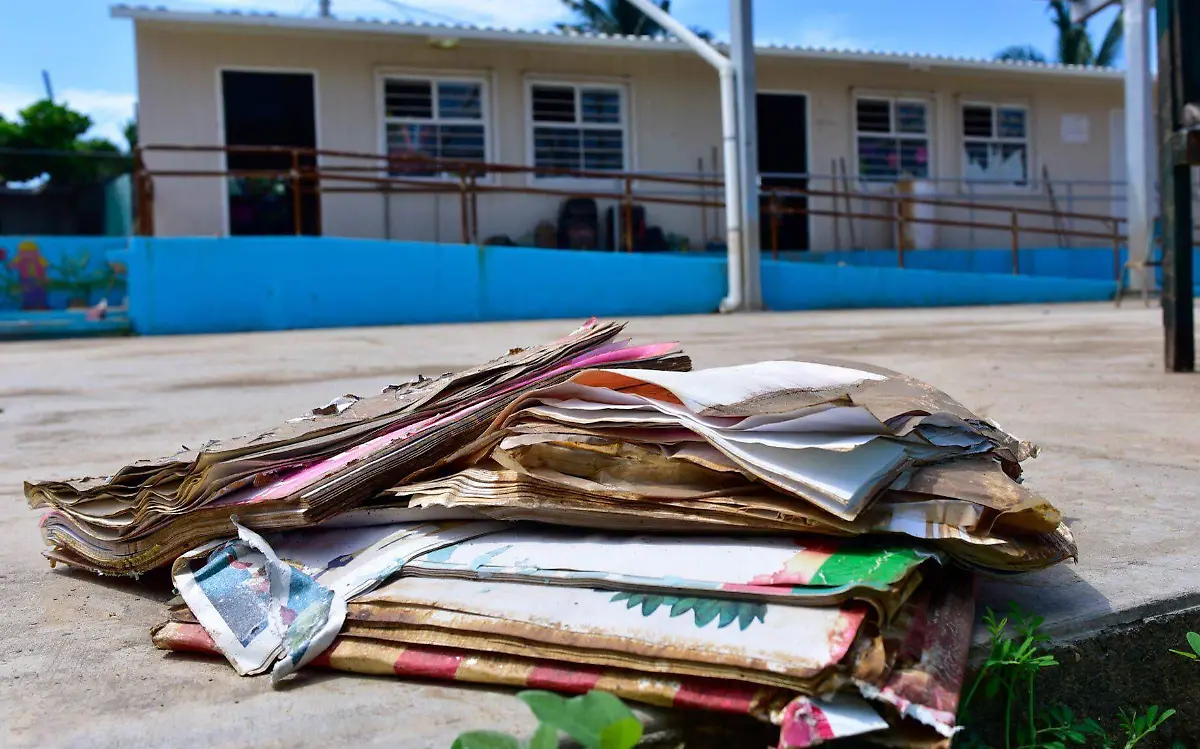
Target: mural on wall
(54, 273)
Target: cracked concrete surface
(1121, 457)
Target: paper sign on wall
(1075, 128)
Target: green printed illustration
(704, 610)
(867, 566)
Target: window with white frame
(441, 118)
(578, 126)
(891, 137)
(996, 143)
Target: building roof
(273, 21)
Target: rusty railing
(409, 174)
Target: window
(996, 143)
(438, 118)
(892, 138)
(578, 127)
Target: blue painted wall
(275, 283)
(49, 272)
(199, 285)
(1054, 262)
(799, 286)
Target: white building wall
(674, 111)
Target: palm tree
(1074, 42)
(617, 17)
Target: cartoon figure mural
(31, 274)
(61, 274)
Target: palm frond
(1068, 32)
(633, 21)
(592, 16)
(1110, 48)
(1021, 53)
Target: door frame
(223, 161)
(808, 166)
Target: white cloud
(109, 110)
(511, 13)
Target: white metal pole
(734, 299)
(735, 296)
(1139, 140)
(741, 30)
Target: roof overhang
(270, 22)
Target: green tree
(1075, 45)
(130, 131)
(51, 133)
(619, 18)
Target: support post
(774, 226)
(140, 202)
(1116, 244)
(628, 210)
(735, 298)
(464, 208)
(1015, 222)
(741, 32)
(1175, 191)
(474, 203)
(1139, 135)
(296, 222)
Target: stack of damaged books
(311, 468)
(794, 541)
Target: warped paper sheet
(812, 721)
(796, 570)
(769, 387)
(803, 721)
(934, 633)
(693, 636)
(840, 472)
(951, 524)
(796, 426)
(309, 469)
(260, 609)
(511, 495)
(382, 658)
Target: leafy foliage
(130, 131)
(1015, 657)
(1021, 53)
(597, 720)
(618, 18)
(1194, 643)
(1075, 45)
(44, 127)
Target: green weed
(597, 720)
(1015, 658)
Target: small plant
(1135, 726)
(1014, 660)
(597, 720)
(1194, 643)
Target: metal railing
(314, 171)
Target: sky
(90, 57)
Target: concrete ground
(1121, 458)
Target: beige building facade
(968, 130)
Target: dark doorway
(270, 109)
(782, 154)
